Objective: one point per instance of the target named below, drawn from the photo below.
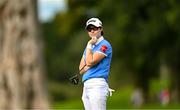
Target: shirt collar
(99, 40)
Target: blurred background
(144, 34)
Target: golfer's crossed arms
(91, 60)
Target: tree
(21, 63)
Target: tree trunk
(21, 65)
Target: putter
(75, 78)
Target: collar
(99, 40)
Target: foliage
(143, 33)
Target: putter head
(74, 79)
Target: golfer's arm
(81, 65)
(93, 58)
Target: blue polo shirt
(100, 70)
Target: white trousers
(95, 93)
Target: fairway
(119, 101)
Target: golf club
(75, 78)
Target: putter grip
(74, 79)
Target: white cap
(94, 21)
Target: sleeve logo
(103, 48)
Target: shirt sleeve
(105, 49)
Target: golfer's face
(93, 31)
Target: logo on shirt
(103, 48)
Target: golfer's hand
(84, 70)
(93, 40)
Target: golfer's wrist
(89, 46)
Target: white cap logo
(94, 21)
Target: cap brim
(91, 25)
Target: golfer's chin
(92, 36)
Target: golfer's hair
(102, 33)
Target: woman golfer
(96, 59)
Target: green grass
(70, 104)
(119, 100)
